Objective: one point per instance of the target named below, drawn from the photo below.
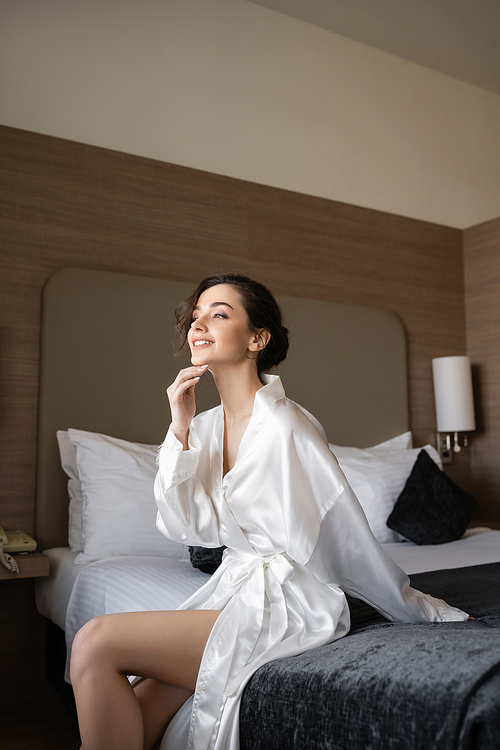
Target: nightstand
(31, 565)
(23, 633)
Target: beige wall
(236, 89)
(72, 205)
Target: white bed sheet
(129, 584)
(472, 549)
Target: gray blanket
(390, 686)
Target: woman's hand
(182, 401)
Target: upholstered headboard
(107, 357)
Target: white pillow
(400, 442)
(377, 478)
(68, 461)
(119, 509)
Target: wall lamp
(454, 404)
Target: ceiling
(460, 38)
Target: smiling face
(219, 333)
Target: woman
(254, 474)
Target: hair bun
(276, 350)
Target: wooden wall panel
(67, 204)
(482, 294)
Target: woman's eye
(215, 315)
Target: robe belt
(279, 564)
(260, 579)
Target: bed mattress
(73, 594)
(53, 592)
(121, 584)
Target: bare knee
(91, 648)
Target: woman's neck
(237, 390)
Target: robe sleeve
(185, 511)
(348, 555)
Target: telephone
(14, 541)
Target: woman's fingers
(186, 385)
(182, 400)
(187, 378)
(189, 373)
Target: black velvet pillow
(431, 509)
(206, 559)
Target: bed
(106, 359)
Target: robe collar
(265, 398)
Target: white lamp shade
(453, 394)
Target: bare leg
(159, 702)
(164, 646)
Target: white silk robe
(297, 540)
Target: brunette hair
(262, 312)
